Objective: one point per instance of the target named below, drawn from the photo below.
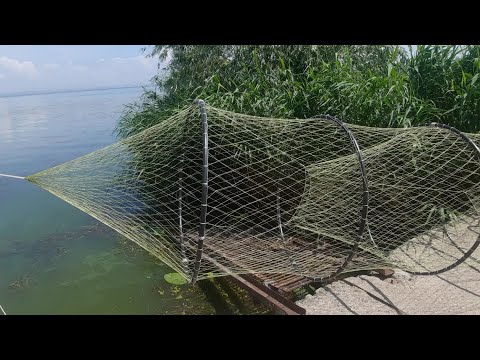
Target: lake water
(55, 259)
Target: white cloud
(71, 73)
(21, 67)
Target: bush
(366, 85)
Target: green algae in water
(175, 279)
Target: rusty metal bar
(260, 291)
(282, 304)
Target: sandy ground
(453, 292)
(456, 292)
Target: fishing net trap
(213, 193)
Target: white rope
(12, 176)
(3, 311)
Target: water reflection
(6, 134)
(17, 118)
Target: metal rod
(282, 235)
(203, 209)
(180, 202)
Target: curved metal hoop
(365, 197)
(475, 245)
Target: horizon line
(45, 92)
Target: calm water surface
(55, 259)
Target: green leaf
(175, 279)
(474, 79)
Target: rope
(3, 311)
(12, 176)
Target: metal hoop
(475, 245)
(365, 197)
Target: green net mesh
(423, 203)
(286, 196)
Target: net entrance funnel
(208, 187)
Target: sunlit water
(55, 259)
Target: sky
(25, 68)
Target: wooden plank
(273, 279)
(261, 292)
(256, 284)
